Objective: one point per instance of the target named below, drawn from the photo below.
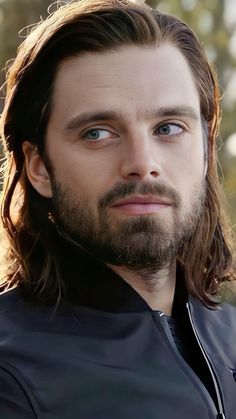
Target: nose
(141, 158)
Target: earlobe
(36, 170)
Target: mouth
(137, 205)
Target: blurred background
(214, 21)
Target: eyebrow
(165, 111)
(187, 111)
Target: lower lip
(134, 209)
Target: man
(116, 241)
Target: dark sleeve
(15, 403)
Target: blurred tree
(14, 16)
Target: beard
(145, 243)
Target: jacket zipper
(221, 414)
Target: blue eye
(93, 134)
(96, 134)
(169, 129)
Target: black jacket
(111, 357)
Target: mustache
(123, 190)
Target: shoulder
(24, 327)
(221, 317)
(19, 311)
(217, 329)
(8, 299)
(13, 311)
(23, 324)
(224, 313)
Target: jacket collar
(93, 284)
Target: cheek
(85, 181)
(192, 185)
(186, 174)
(193, 161)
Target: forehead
(132, 80)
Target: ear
(36, 170)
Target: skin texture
(151, 141)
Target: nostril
(140, 169)
(134, 174)
(154, 173)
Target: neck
(156, 288)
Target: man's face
(125, 147)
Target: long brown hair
(33, 246)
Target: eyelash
(178, 126)
(86, 133)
